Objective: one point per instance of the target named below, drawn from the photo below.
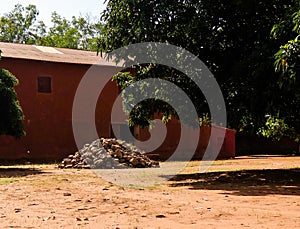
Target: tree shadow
(244, 182)
(18, 172)
(264, 156)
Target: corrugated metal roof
(51, 54)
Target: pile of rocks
(108, 153)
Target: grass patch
(5, 181)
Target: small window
(44, 84)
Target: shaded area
(18, 172)
(265, 156)
(245, 182)
(247, 144)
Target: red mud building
(48, 80)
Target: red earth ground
(246, 192)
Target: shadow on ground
(245, 182)
(18, 172)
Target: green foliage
(287, 58)
(18, 25)
(142, 113)
(11, 116)
(287, 64)
(79, 33)
(275, 128)
(21, 26)
(232, 38)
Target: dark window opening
(44, 84)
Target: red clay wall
(171, 141)
(48, 117)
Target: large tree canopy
(233, 39)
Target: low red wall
(169, 145)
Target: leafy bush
(275, 128)
(11, 115)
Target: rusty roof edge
(77, 63)
(73, 56)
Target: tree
(11, 116)
(61, 34)
(287, 58)
(80, 33)
(232, 39)
(21, 26)
(287, 64)
(17, 26)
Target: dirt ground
(246, 192)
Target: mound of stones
(108, 153)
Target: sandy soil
(247, 192)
